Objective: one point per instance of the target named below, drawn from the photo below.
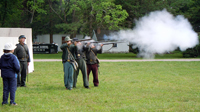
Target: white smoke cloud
(159, 32)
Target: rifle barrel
(109, 43)
(84, 40)
(94, 42)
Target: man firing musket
(92, 62)
(81, 60)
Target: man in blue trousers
(69, 50)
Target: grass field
(124, 87)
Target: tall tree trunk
(73, 34)
(5, 13)
(51, 24)
(98, 30)
(90, 27)
(32, 13)
(62, 10)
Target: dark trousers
(21, 77)
(82, 66)
(9, 86)
(94, 69)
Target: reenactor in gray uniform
(80, 59)
(92, 63)
(68, 49)
(23, 56)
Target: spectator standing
(9, 66)
(22, 53)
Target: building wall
(11, 35)
(121, 48)
(57, 38)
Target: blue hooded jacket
(9, 65)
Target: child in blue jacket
(9, 66)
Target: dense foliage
(192, 52)
(82, 16)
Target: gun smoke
(159, 32)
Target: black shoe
(23, 86)
(70, 88)
(4, 103)
(87, 87)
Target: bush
(192, 52)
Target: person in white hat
(10, 67)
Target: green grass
(173, 55)
(124, 87)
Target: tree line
(82, 16)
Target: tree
(42, 18)
(10, 12)
(87, 15)
(191, 11)
(139, 8)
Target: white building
(59, 39)
(11, 35)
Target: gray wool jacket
(91, 55)
(22, 52)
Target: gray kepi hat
(67, 38)
(22, 36)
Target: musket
(106, 43)
(27, 73)
(109, 43)
(84, 40)
(113, 43)
(80, 40)
(91, 42)
(94, 42)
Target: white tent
(11, 35)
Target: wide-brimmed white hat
(9, 46)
